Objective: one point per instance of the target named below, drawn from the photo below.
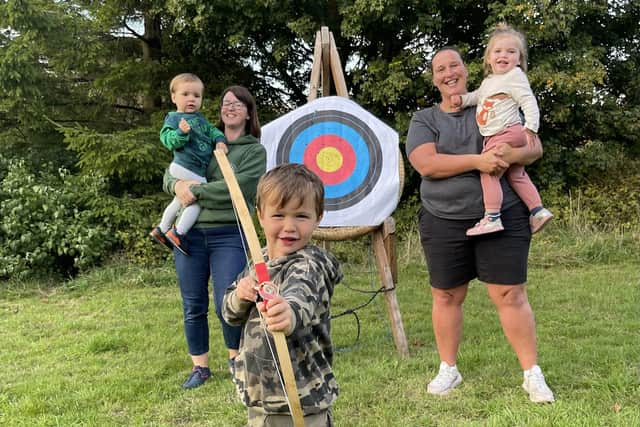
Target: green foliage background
(83, 88)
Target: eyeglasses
(235, 104)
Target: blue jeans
(217, 253)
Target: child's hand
(184, 126)
(222, 147)
(246, 289)
(531, 136)
(456, 101)
(277, 314)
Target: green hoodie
(249, 161)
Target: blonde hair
(287, 182)
(505, 30)
(183, 78)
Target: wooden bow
(262, 274)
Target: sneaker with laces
(485, 226)
(539, 220)
(157, 235)
(177, 240)
(447, 379)
(535, 385)
(198, 376)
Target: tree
(84, 82)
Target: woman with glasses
(215, 242)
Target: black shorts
(454, 259)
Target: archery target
(354, 154)
(341, 149)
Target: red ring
(343, 147)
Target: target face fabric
(354, 154)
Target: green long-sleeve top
(192, 150)
(249, 161)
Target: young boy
(290, 203)
(190, 136)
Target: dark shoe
(232, 367)
(177, 240)
(198, 376)
(159, 237)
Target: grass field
(107, 349)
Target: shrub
(132, 159)
(46, 224)
(131, 219)
(612, 202)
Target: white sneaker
(485, 226)
(539, 220)
(447, 379)
(535, 385)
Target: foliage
(83, 83)
(47, 223)
(132, 158)
(131, 219)
(608, 201)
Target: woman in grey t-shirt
(444, 146)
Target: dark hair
(290, 181)
(252, 127)
(443, 49)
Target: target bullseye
(329, 159)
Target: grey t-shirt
(458, 196)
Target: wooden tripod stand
(326, 65)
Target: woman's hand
(183, 192)
(491, 162)
(277, 314)
(524, 155)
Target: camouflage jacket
(306, 280)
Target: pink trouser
(520, 182)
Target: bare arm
(428, 162)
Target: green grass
(107, 349)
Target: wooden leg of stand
(393, 310)
(326, 245)
(389, 237)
